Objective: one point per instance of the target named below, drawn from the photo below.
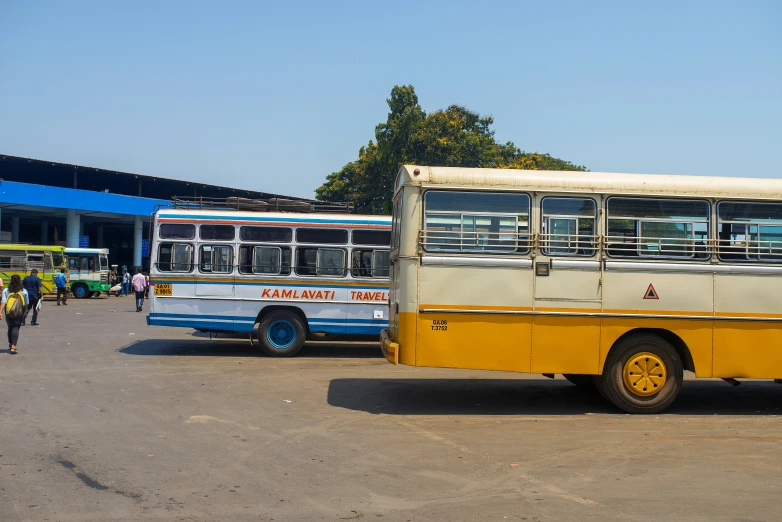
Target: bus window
(372, 237)
(749, 231)
(58, 260)
(362, 263)
(396, 224)
(657, 227)
(266, 234)
(482, 222)
(380, 263)
(217, 232)
(320, 261)
(322, 235)
(269, 260)
(175, 257)
(104, 262)
(216, 259)
(177, 231)
(568, 226)
(331, 262)
(35, 261)
(370, 263)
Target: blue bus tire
(281, 334)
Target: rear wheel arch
(674, 340)
(266, 310)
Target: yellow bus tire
(642, 374)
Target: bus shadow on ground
(242, 348)
(536, 397)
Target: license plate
(162, 289)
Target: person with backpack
(61, 282)
(14, 306)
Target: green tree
(454, 137)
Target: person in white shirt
(139, 284)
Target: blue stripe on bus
(306, 221)
(239, 318)
(207, 325)
(228, 326)
(162, 315)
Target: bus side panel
(563, 344)
(485, 339)
(748, 348)
(477, 341)
(696, 334)
(672, 294)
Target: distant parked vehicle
(89, 271)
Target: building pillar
(99, 238)
(45, 232)
(72, 229)
(14, 229)
(137, 237)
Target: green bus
(89, 271)
(21, 259)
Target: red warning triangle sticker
(651, 293)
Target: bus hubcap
(644, 374)
(281, 334)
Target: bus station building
(50, 203)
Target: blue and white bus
(280, 277)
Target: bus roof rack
(260, 205)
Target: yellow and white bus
(619, 281)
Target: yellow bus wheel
(643, 373)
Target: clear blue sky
(275, 95)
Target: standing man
(139, 285)
(34, 287)
(125, 282)
(61, 282)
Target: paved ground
(104, 418)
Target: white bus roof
(239, 217)
(596, 182)
(86, 251)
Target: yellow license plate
(162, 289)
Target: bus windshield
(58, 260)
(104, 262)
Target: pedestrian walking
(125, 282)
(61, 282)
(139, 283)
(34, 287)
(14, 306)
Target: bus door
(216, 280)
(568, 288)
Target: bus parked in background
(280, 276)
(89, 271)
(21, 259)
(618, 281)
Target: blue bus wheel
(79, 291)
(281, 334)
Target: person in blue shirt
(61, 282)
(34, 287)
